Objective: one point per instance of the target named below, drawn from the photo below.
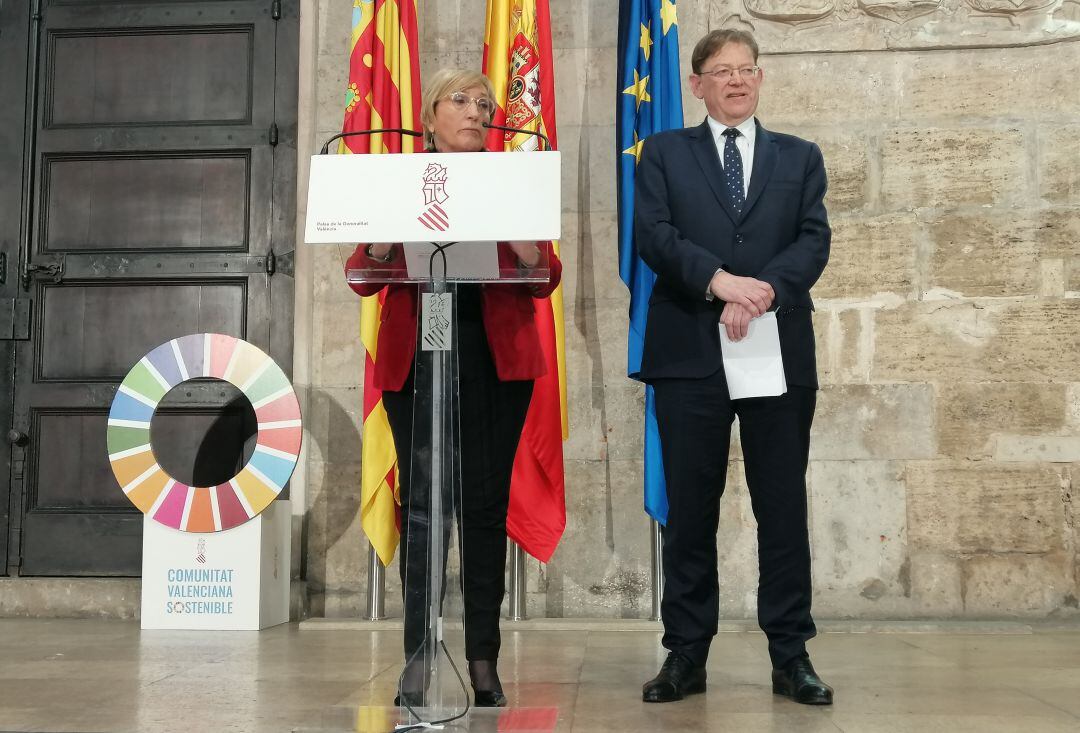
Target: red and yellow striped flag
(384, 91)
(517, 59)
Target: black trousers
(694, 417)
(491, 414)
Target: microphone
(542, 136)
(399, 130)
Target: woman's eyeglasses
(461, 101)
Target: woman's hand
(528, 253)
(378, 250)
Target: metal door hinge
(282, 263)
(36, 270)
(275, 10)
(273, 134)
(14, 319)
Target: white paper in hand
(753, 366)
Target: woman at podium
(499, 357)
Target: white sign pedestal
(237, 579)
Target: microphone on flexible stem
(542, 136)
(399, 130)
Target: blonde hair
(442, 83)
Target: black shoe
(488, 699)
(410, 699)
(487, 687)
(413, 682)
(800, 682)
(677, 678)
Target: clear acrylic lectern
(473, 204)
(431, 687)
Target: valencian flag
(649, 100)
(384, 91)
(517, 59)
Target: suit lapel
(765, 158)
(705, 151)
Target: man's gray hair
(716, 40)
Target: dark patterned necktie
(733, 176)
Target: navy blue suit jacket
(686, 229)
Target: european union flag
(649, 100)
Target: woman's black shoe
(413, 682)
(411, 699)
(487, 688)
(489, 699)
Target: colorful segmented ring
(213, 508)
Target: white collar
(747, 128)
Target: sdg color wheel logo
(204, 508)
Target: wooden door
(162, 192)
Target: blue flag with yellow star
(649, 100)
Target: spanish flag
(517, 59)
(384, 91)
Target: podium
(450, 217)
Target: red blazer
(507, 310)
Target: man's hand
(736, 320)
(528, 253)
(754, 295)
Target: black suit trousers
(490, 415)
(695, 418)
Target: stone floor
(67, 675)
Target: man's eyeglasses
(724, 73)
(461, 101)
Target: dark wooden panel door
(159, 196)
(14, 34)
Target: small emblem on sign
(434, 216)
(437, 322)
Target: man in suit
(731, 218)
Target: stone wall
(947, 441)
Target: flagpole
(376, 585)
(657, 570)
(517, 584)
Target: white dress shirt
(744, 143)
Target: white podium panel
(237, 579)
(435, 197)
